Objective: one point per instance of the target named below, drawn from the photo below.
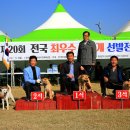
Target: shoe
(28, 100)
(104, 95)
(114, 91)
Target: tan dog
(48, 88)
(84, 83)
(126, 86)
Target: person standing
(87, 53)
(32, 78)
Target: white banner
(56, 50)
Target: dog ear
(88, 76)
(8, 86)
(2, 88)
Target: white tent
(60, 20)
(61, 26)
(3, 36)
(124, 32)
(126, 28)
(2, 33)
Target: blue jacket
(28, 74)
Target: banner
(56, 50)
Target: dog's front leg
(7, 102)
(45, 94)
(79, 87)
(3, 104)
(84, 87)
(50, 94)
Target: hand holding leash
(38, 81)
(82, 68)
(70, 76)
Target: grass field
(63, 120)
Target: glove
(38, 81)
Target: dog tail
(9, 87)
(11, 96)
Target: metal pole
(91, 102)
(122, 104)
(37, 104)
(7, 77)
(79, 104)
(12, 74)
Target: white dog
(5, 95)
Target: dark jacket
(107, 70)
(65, 69)
(87, 53)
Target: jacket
(28, 74)
(65, 69)
(87, 53)
(107, 70)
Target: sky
(19, 17)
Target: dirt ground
(63, 120)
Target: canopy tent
(2, 36)
(124, 33)
(60, 27)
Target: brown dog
(126, 86)
(48, 88)
(84, 83)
